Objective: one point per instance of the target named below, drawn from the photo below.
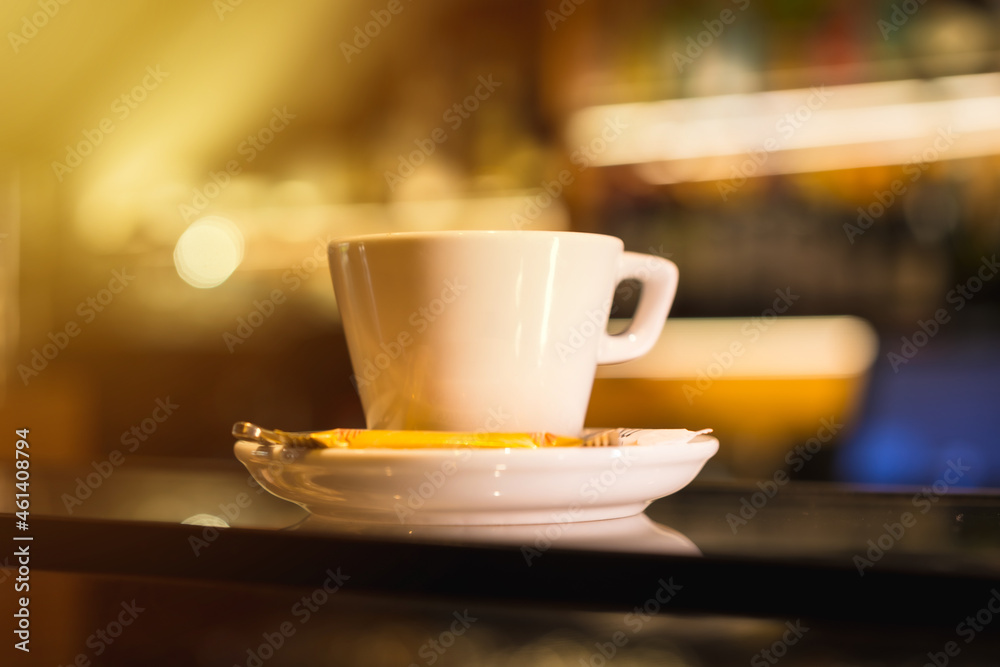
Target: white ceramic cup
(489, 330)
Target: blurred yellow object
(764, 385)
(759, 420)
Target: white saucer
(481, 486)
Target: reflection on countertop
(633, 534)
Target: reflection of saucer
(632, 534)
(557, 485)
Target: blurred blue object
(940, 412)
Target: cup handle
(659, 278)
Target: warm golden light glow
(796, 131)
(208, 252)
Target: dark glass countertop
(911, 561)
(845, 541)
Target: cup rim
(470, 233)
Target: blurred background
(824, 174)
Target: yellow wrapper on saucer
(346, 438)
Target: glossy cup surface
(472, 331)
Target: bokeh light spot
(208, 252)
